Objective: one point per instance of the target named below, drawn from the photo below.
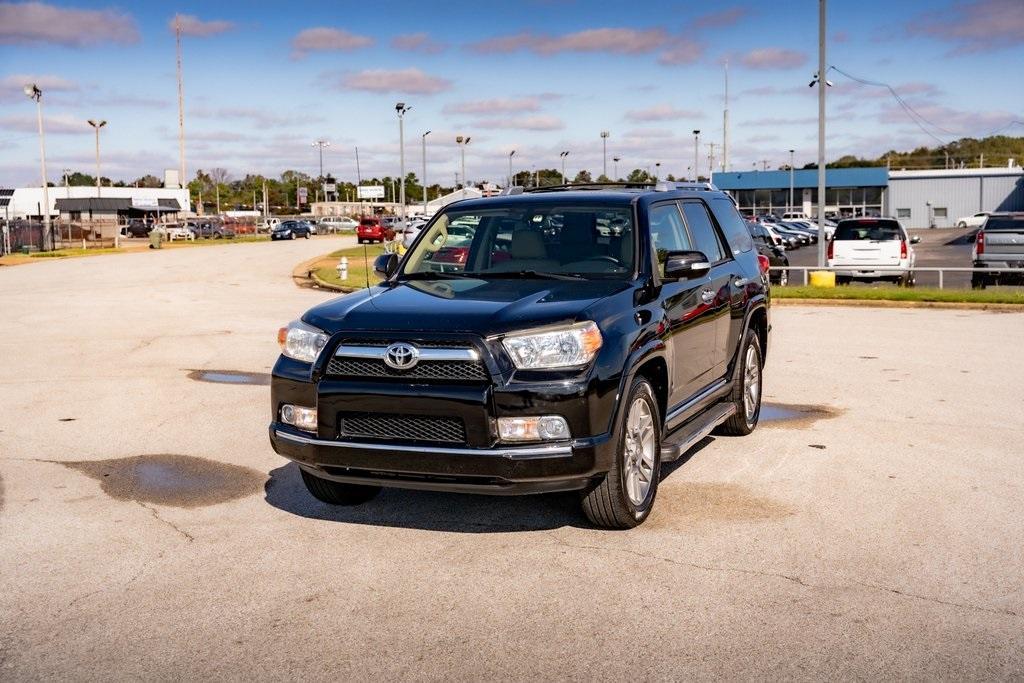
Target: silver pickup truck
(1000, 244)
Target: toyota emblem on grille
(401, 356)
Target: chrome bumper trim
(422, 353)
(516, 452)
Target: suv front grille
(454, 371)
(401, 428)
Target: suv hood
(483, 307)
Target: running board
(686, 437)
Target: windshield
(876, 231)
(530, 241)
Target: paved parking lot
(870, 528)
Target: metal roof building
(939, 198)
(25, 202)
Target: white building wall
(27, 201)
(960, 192)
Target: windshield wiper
(539, 274)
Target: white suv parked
(872, 249)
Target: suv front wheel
(625, 496)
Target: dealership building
(107, 204)
(921, 199)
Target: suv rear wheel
(746, 389)
(337, 493)
(625, 496)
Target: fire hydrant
(343, 268)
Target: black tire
(961, 225)
(978, 281)
(359, 239)
(337, 493)
(608, 504)
(843, 279)
(742, 423)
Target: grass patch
(69, 253)
(359, 269)
(923, 294)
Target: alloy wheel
(751, 383)
(638, 459)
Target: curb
(885, 303)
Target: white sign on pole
(371, 191)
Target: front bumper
(501, 470)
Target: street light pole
(424, 138)
(696, 155)
(604, 147)
(563, 155)
(790, 180)
(616, 160)
(181, 103)
(96, 126)
(510, 155)
(34, 93)
(821, 132)
(400, 109)
(462, 142)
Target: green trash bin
(156, 238)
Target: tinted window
(876, 231)
(668, 233)
(704, 237)
(1005, 223)
(732, 225)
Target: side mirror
(385, 265)
(684, 265)
(915, 239)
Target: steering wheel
(610, 259)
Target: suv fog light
(539, 428)
(297, 416)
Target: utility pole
(696, 155)
(563, 155)
(711, 160)
(821, 131)
(401, 109)
(764, 164)
(604, 146)
(791, 207)
(725, 123)
(96, 126)
(424, 138)
(510, 178)
(217, 187)
(34, 93)
(264, 199)
(181, 103)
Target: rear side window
(876, 231)
(704, 237)
(732, 225)
(1005, 223)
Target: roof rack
(590, 186)
(668, 186)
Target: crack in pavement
(793, 579)
(156, 515)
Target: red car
(373, 230)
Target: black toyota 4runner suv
(561, 339)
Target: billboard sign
(303, 195)
(330, 187)
(371, 192)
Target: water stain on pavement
(794, 414)
(686, 504)
(172, 480)
(230, 377)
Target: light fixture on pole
(33, 92)
(462, 142)
(820, 80)
(696, 155)
(604, 148)
(96, 126)
(401, 109)
(563, 155)
(321, 143)
(424, 181)
(510, 179)
(790, 180)
(616, 160)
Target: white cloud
(194, 26)
(324, 38)
(37, 22)
(408, 81)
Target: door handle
(707, 296)
(742, 281)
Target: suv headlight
(301, 341)
(566, 347)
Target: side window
(735, 229)
(668, 233)
(704, 237)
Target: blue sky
(538, 76)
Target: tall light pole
(791, 181)
(321, 143)
(34, 93)
(696, 155)
(616, 160)
(510, 155)
(657, 170)
(181, 104)
(424, 139)
(563, 155)
(604, 146)
(462, 142)
(400, 109)
(96, 126)
(822, 83)
(725, 123)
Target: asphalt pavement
(869, 528)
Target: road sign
(371, 192)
